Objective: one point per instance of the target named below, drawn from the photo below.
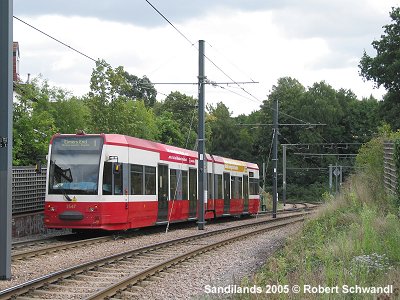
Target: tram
(118, 182)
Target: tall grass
(354, 239)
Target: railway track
(30, 249)
(109, 276)
(34, 249)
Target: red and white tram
(117, 182)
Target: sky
(245, 41)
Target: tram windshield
(74, 165)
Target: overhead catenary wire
(232, 63)
(55, 39)
(205, 56)
(233, 92)
(170, 23)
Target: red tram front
(117, 182)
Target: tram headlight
(93, 208)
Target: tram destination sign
(78, 143)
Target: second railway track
(30, 249)
(109, 276)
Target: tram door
(192, 193)
(162, 193)
(227, 192)
(246, 193)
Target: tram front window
(74, 165)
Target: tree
(384, 68)
(346, 120)
(226, 137)
(114, 106)
(33, 124)
(132, 118)
(140, 88)
(183, 110)
(70, 115)
(169, 130)
(389, 110)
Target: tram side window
(143, 180)
(254, 186)
(174, 189)
(150, 179)
(236, 187)
(218, 187)
(185, 195)
(118, 182)
(240, 186)
(210, 186)
(178, 185)
(136, 180)
(107, 178)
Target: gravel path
(225, 266)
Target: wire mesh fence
(28, 190)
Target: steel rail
(34, 284)
(55, 248)
(74, 244)
(136, 278)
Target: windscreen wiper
(66, 195)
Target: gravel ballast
(225, 266)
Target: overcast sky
(260, 40)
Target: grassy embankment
(353, 240)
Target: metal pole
(336, 179)
(275, 161)
(264, 198)
(330, 179)
(6, 104)
(284, 174)
(341, 177)
(201, 141)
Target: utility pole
(330, 179)
(264, 198)
(275, 160)
(202, 159)
(284, 174)
(6, 93)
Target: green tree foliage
(384, 68)
(346, 120)
(33, 124)
(183, 110)
(389, 109)
(140, 88)
(70, 115)
(228, 139)
(169, 130)
(114, 106)
(132, 118)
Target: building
(16, 62)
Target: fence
(390, 176)
(28, 190)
